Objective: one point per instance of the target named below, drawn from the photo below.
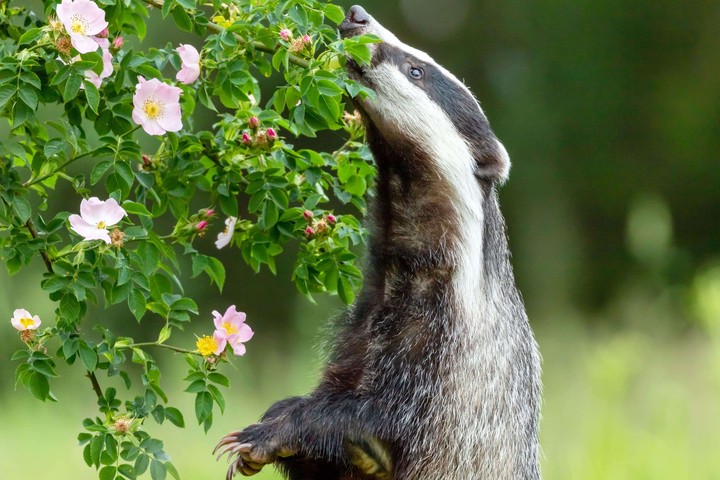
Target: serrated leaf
(28, 95)
(345, 290)
(203, 406)
(72, 86)
(182, 19)
(219, 378)
(175, 417)
(157, 470)
(334, 13)
(88, 356)
(216, 271)
(99, 170)
(30, 35)
(137, 303)
(39, 385)
(136, 208)
(92, 96)
(107, 473)
(22, 209)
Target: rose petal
(83, 44)
(91, 210)
(188, 74)
(172, 118)
(245, 333)
(221, 341)
(112, 212)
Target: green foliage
(64, 109)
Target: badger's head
(419, 102)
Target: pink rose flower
(231, 326)
(107, 70)
(82, 20)
(23, 320)
(95, 218)
(224, 238)
(157, 106)
(190, 58)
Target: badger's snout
(356, 20)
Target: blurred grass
(618, 405)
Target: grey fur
(434, 373)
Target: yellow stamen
(79, 25)
(101, 225)
(230, 328)
(27, 322)
(153, 108)
(206, 345)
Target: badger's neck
(431, 220)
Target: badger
(434, 373)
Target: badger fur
(434, 373)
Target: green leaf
(175, 416)
(28, 95)
(334, 13)
(216, 271)
(22, 209)
(99, 170)
(141, 464)
(345, 290)
(219, 378)
(136, 303)
(182, 19)
(6, 93)
(171, 469)
(157, 468)
(92, 95)
(72, 86)
(107, 473)
(203, 406)
(30, 35)
(88, 356)
(39, 385)
(136, 208)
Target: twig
(294, 59)
(162, 345)
(48, 264)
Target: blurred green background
(610, 111)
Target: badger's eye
(416, 73)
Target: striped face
(418, 99)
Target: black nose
(358, 15)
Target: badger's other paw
(252, 448)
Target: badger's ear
(493, 161)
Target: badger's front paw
(252, 448)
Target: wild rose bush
(74, 93)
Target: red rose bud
(308, 215)
(247, 140)
(117, 43)
(271, 134)
(103, 33)
(285, 34)
(201, 226)
(253, 123)
(307, 39)
(206, 212)
(309, 232)
(331, 219)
